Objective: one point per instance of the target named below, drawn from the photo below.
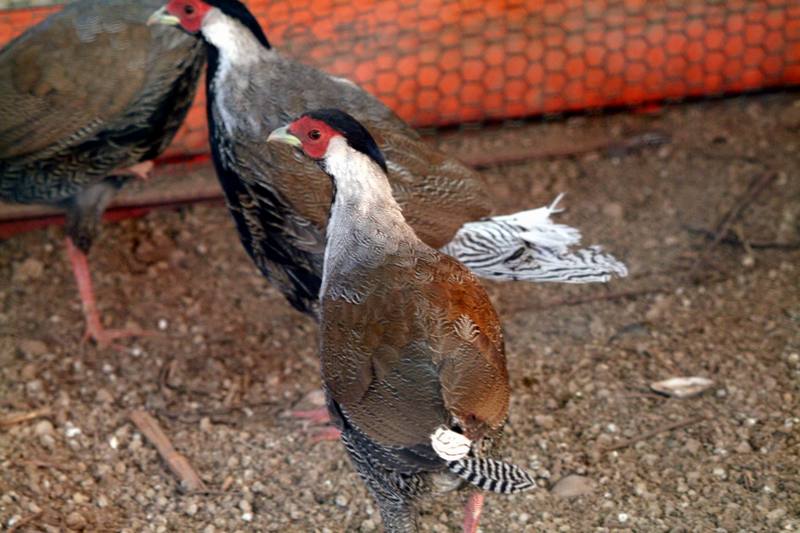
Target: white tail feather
(529, 246)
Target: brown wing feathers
(89, 90)
(423, 348)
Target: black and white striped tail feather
(492, 475)
(529, 246)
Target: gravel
(229, 358)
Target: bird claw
(104, 338)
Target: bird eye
(188, 9)
(314, 135)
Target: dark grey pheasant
(280, 203)
(87, 97)
(411, 348)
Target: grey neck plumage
(366, 224)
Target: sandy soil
(231, 358)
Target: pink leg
(94, 328)
(319, 415)
(472, 512)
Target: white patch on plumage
(465, 328)
(235, 42)
(449, 445)
(359, 180)
(238, 48)
(529, 246)
(345, 81)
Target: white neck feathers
(360, 183)
(239, 51)
(366, 223)
(236, 43)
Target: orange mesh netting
(444, 61)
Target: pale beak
(283, 135)
(162, 16)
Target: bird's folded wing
(47, 103)
(438, 194)
(418, 347)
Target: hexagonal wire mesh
(448, 61)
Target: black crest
(357, 135)
(237, 10)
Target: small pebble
(692, 446)
(614, 210)
(43, 427)
(32, 348)
(743, 447)
(29, 269)
(103, 396)
(775, 515)
(682, 387)
(544, 421)
(70, 430)
(33, 387)
(572, 486)
(75, 520)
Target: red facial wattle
(190, 12)
(314, 134)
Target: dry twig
(754, 189)
(735, 240)
(605, 297)
(648, 434)
(38, 463)
(21, 523)
(613, 146)
(18, 418)
(177, 462)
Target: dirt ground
(231, 358)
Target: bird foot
(318, 416)
(326, 433)
(104, 338)
(139, 170)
